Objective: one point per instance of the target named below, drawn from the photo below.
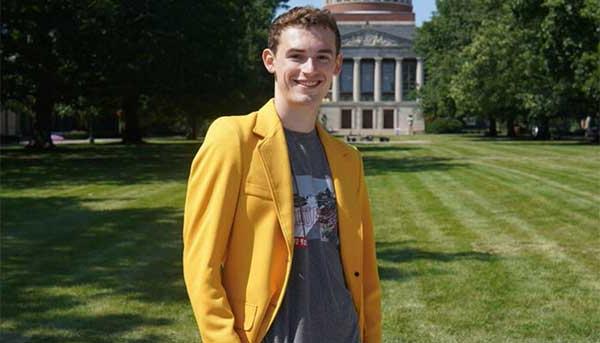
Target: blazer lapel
(344, 173)
(274, 157)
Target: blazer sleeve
(371, 288)
(211, 198)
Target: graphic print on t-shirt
(314, 210)
(317, 306)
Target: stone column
(419, 72)
(335, 88)
(398, 80)
(356, 79)
(377, 78)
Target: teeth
(308, 83)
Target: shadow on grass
(62, 260)
(377, 165)
(106, 163)
(385, 148)
(387, 159)
(396, 274)
(398, 252)
(112, 325)
(530, 141)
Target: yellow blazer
(239, 223)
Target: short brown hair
(305, 16)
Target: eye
(295, 56)
(324, 58)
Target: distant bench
(368, 138)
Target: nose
(308, 66)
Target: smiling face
(304, 64)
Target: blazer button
(357, 274)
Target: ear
(268, 57)
(339, 59)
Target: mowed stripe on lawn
(95, 256)
(478, 241)
(544, 238)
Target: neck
(299, 119)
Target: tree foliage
(191, 57)
(531, 61)
(440, 42)
(39, 56)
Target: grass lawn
(478, 241)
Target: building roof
(398, 10)
(400, 31)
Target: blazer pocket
(257, 190)
(249, 316)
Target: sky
(422, 8)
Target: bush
(444, 125)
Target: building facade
(375, 93)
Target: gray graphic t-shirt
(317, 306)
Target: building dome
(375, 93)
(373, 10)
(329, 2)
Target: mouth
(307, 83)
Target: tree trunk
(42, 122)
(544, 129)
(592, 131)
(132, 133)
(492, 131)
(193, 122)
(510, 127)
(91, 137)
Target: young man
(278, 238)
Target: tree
(40, 56)
(587, 70)
(440, 42)
(197, 56)
(489, 81)
(535, 57)
(559, 34)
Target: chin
(307, 99)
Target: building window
(409, 80)
(388, 119)
(367, 81)
(388, 80)
(346, 79)
(367, 119)
(346, 119)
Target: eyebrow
(321, 51)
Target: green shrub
(444, 125)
